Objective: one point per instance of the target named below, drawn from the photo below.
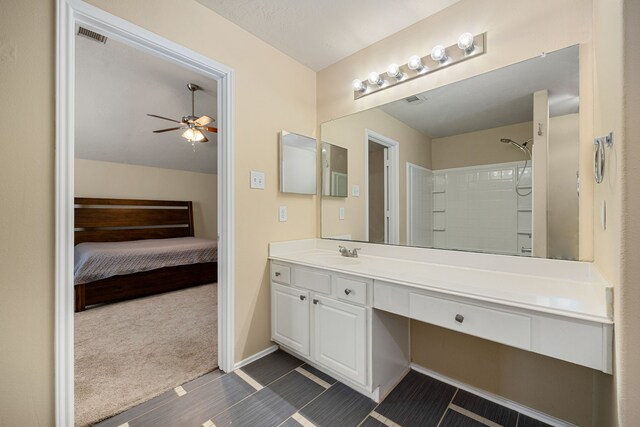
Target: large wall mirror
(487, 164)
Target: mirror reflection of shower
(526, 149)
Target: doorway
(382, 210)
(72, 14)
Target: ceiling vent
(414, 99)
(92, 35)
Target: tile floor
(281, 390)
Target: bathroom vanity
(350, 316)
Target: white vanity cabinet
(290, 317)
(326, 318)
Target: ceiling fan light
(189, 135)
(198, 136)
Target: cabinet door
(340, 337)
(290, 317)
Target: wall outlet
(341, 213)
(355, 191)
(282, 213)
(257, 180)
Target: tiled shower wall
(478, 209)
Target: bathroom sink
(331, 259)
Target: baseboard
(541, 416)
(256, 356)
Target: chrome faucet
(348, 253)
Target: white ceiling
(498, 98)
(320, 33)
(116, 86)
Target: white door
(419, 206)
(290, 317)
(339, 342)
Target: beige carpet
(129, 352)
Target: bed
(129, 248)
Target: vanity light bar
(438, 58)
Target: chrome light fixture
(467, 47)
(439, 53)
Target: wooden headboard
(117, 220)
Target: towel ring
(598, 159)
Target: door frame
(409, 186)
(393, 183)
(68, 14)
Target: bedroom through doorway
(145, 228)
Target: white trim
(394, 183)
(258, 355)
(485, 166)
(410, 165)
(72, 12)
(493, 398)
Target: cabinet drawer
(494, 325)
(315, 280)
(350, 289)
(280, 273)
(391, 298)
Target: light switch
(257, 180)
(282, 213)
(355, 191)
(341, 213)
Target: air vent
(414, 99)
(92, 35)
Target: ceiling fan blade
(166, 130)
(204, 120)
(209, 129)
(204, 140)
(164, 118)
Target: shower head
(522, 147)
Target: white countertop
(565, 288)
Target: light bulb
(358, 86)
(374, 78)
(465, 42)
(188, 134)
(394, 71)
(439, 53)
(198, 136)
(415, 63)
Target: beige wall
(27, 214)
(117, 180)
(558, 388)
(349, 132)
(617, 108)
(480, 148)
(515, 33)
(27, 179)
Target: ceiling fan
(194, 125)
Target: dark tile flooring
(280, 390)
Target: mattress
(99, 260)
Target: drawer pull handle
(302, 298)
(315, 301)
(459, 318)
(347, 291)
(277, 273)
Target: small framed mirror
(297, 163)
(335, 180)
